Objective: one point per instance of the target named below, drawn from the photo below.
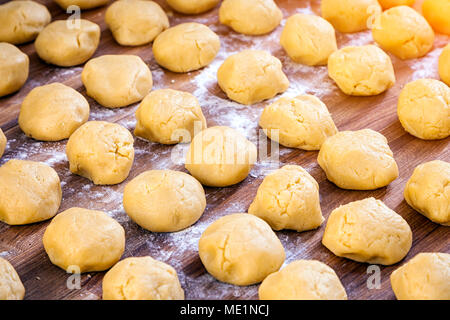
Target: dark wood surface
(22, 245)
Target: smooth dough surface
(444, 65)
(83, 4)
(192, 7)
(240, 249)
(14, 68)
(386, 4)
(11, 287)
(437, 13)
(3, 142)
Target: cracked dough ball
(83, 4)
(220, 157)
(437, 13)
(169, 116)
(142, 278)
(52, 112)
(11, 288)
(288, 198)
(192, 7)
(403, 32)
(240, 249)
(116, 81)
(2, 142)
(29, 192)
(303, 280)
(358, 160)
(386, 4)
(428, 191)
(361, 70)
(444, 65)
(14, 67)
(302, 122)
(186, 47)
(367, 231)
(101, 151)
(251, 17)
(424, 109)
(84, 240)
(424, 277)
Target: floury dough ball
(444, 65)
(240, 249)
(83, 4)
(3, 142)
(386, 4)
(11, 287)
(14, 68)
(192, 7)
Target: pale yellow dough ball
(14, 68)
(444, 65)
(2, 142)
(192, 7)
(83, 4)
(386, 4)
(11, 287)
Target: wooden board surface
(22, 245)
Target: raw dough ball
(11, 288)
(444, 65)
(86, 239)
(135, 22)
(302, 122)
(2, 142)
(101, 151)
(437, 12)
(29, 192)
(303, 280)
(240, 249)
(169, 116)
(252, 76)
(116, 81)
(21, 21)
(424, 109)
(424, 277)
(186, 47)
(308, 39)
(83, 4)
(252, 17)
(361, 70)
(358, 160)
(404, 32)
(14, 66)
(220, 157)
(288, 198)
(367, 231)
(428, 192)
(164, 200)
(52, 112)
(386, 4)
(142, 278)
(192, 7)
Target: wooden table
(22, 245)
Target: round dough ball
(101, 151)
(11, 288)
(437, 13)
(424, 277)
(361, 70)
(424, 109)
(52, 112)
(29, 192)
(386, 4)
(444, 65)
(427, 191)
(251, 76)
(220, 157)
(288, 198)
(2, 142)
(302, 122)
(116, 81)
(303, 280)
(358, 160)
(252, 17)
(403, 32)
(83, 4)
(308, 39)
(367, 231)
(21, 21)
(84, 240)
(169, 116)
(186, 47)
(192, 7)
(14, 67)
(240, 249)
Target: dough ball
(164, 200)
(14, 66)
(29, 192)
(302, 122)
(251, 76)
(169, 116)
(52, 112)
(220, 157)
(101, 151)
(361, 70)
(21, 21)
(192, 7)
(358, 160)
(11, 288)
(444, 65)
(424, 277)
(437, 13)
(83, 4)
(386, 4)
(424, 109)
(427, 191)
(240, 249)
(116, 81)
(403, 32)
(288, 198)
(252, 17)
(186, 47)
(89, 240)
(303, 280)
(367, 231)
(2, 142)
